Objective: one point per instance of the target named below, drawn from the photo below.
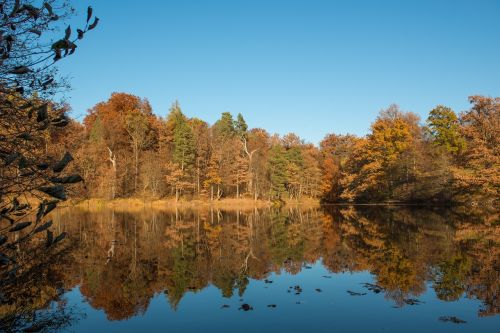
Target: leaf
(19, 70)
(4, 260)
(42, 166)
(43, 227)
(89, 13)
(59, 166)
(67, 33)
(3, 239)
(11, 158)
(61, 121)
(23, 163)
(32, 11)
(94, 24)
(25, 136)
(60, 44)
(54, 191)
(36, 32)
(57, 55)
(80, 33)
(50, 238)
(27, 173)
(59, 238)
(39, 214)
(19, 226)
(44, 125)
(50, 207)
(42, 112)
(48, 7)
(15, 204)
(15, 9)
(67, 180)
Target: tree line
(123, 149)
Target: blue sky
(310, 67)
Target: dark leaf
(11, 158)
(59, 166)
(44, 125)
(4, 260)
(31, 10)
(42, 166)
(60, 44)
(80, 33)
(49, 8)
(25, 136)
(54, 191)
(50, 207)
(60, 122)
(15, 204)
(3, 239)
(43, 227)
(89, 13)
(59, 238)
(15, 9)
(19, 70)
(50, 238)
(42, 112)
(94, 24)
(57, 54)
(67, 33)
(19, 226)
(39, 213)
(23, 163)
(27, 173)
(36, 32)
(67, 180)
(22, 207)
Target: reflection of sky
(332, 310)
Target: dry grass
(136, 204)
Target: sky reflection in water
(191, 271)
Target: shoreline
(169, 204)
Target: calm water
(327, 270)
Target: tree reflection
(121, 260)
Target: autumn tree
(139, 129)
(478, 174)
(444, 128)
(335, 151)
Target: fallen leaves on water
(245, 307)
(452, 319)
(354, 293)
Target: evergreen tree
(277, 172)
(181, 138)
(224, 127)
(241, 126)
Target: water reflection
(122, 260)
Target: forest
(122, 149)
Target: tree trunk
(112, 159)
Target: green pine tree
(278, 172)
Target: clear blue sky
(309, 67)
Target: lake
(329, 269)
